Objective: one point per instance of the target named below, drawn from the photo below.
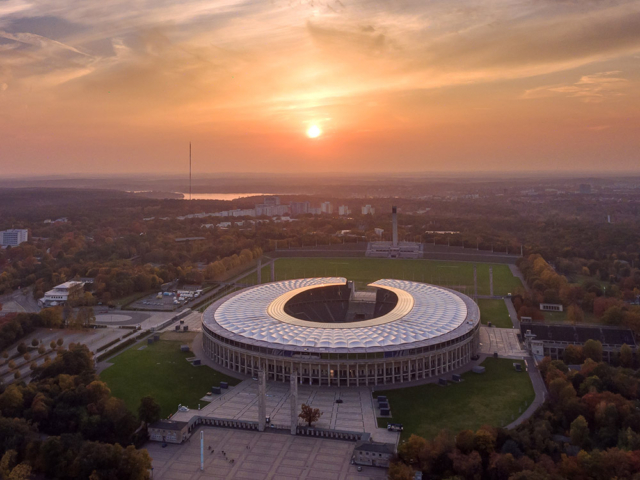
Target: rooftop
(424, 315)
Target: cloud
(592, 88)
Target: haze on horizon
(116, 87)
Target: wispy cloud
(590, 88)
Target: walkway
(504, 341)
(539, 388)
(517, 273)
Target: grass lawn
(561, 317)
(458, 275)
(493, 398)
(160, 370)
(494, 311)
(252, 278)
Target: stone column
(262, 399)
(259, 272)
(491, 281)
(293, 398)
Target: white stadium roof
(424, 315)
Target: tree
(575, 314)
(149, 410)
(42, 349)
(309, 414)
(485, 442)
(34, 342)
(52, 344)
(593, 349)
(412, 449)
(22, 348)
(465, 441)
(573, 355)
(626, 356)
(579, 431)
(400, 471)
(613, 316)
(60, 341)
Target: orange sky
(122, 86)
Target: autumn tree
(309, 414)
(579, 431)
(575, 314)
(573, 355)
(593, 349)
(626, 356)
(400, 471)
(149, 410)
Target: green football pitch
(456, 275)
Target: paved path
(539, 388)
(502, 340)
(257, 456)
(513, 315)
(517, 273)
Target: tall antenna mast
(189, 170)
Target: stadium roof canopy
(424, 315)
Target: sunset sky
(115, 86)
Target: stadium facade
(396, 331)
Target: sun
(314, 131)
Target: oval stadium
(393, 332)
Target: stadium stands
(339, 303)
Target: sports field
(494, 311)
(162, 371)
(496, 397)
(457, 275)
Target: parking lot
(165, 302)
(257, 456)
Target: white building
(60, 294)
(13, 237)
(343, 210)
(368, 210)
(326, 207)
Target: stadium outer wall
(406, 364)
(354, 372)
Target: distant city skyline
(342, 86)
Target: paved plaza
(502, 340)
(355, 413)
(257, 456)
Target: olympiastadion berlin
(394, 331)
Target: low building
(62, 293)
(168, 431)
(551, 340)
(373, 454)
(13, 237)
